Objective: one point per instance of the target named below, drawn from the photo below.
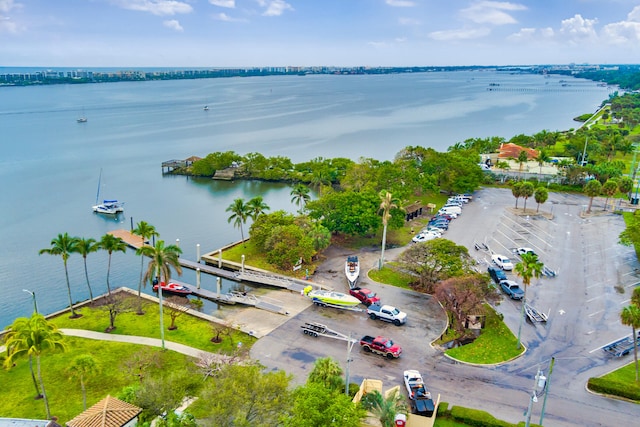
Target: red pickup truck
(366, 296)
(380, 345)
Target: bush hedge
(614, 388)
(475, 417)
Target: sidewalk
(153, 342)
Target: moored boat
(352, 270)
(109, 207)
(173, 288)
(322, 297)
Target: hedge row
(473, 417)
(614, 388)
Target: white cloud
(491, 12)
(400, 3)
(274, 7)
(532, 34)
(378, 45)
(226, 18)
(156, 7)
(578, 28)
(460, 34)
(173, 24)
(7, 5)
(625, 31)
(7, 25)
(231, 4)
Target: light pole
(33, 295)
(539, 387)
(350, 343)
(546, 391)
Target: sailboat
(107, 207)
(82, 118)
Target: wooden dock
(246, 275)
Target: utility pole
(540, 384)
(350, 343)
(546, 391)
(33, 295)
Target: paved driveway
(595, 279)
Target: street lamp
(539, 387)
(33, 295)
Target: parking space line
(596, 312)
(595, 298)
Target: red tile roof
(513, 151)
(109, 412)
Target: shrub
(614, 388)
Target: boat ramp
(242, 274)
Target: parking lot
(595, 278)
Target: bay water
(50, 164)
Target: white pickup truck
(387, 313)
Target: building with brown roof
(512, 151)
(109, 412)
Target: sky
(248, 33)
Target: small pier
(241, 275)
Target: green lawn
(192, 331)
(625, 375)
(65, 395)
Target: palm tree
(526, 190)
(33, 336)
(387, 408)
(592, 189)
(145, 231)
(609, 189)
(541, 195)
(528, 268)
(523, 158)
(111, 244)
(82, 368)
(542, 158)
(84, 247)
(256, 207)
(64, 245)
(239, 214)
(163, 258)
(387, 203)
(516, 190)
(300, 193)
(630, 316)
(328, 373)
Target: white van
(451, 209)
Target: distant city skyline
(248, 33)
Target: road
(595, 279)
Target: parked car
(446, 218)
(502, 261)
(387, 313)
(366, 296)
(512, 289)
(440, 224)
(497, 274)
(433, 229)
(522, 251)
(424, 237)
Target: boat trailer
(319, 330)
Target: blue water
(49, 164)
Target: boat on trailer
(330, 298)
(352, 270)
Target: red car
(366, 296)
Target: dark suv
(496, 274)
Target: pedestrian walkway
(153, 342)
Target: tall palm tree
(609, 188)
(630, 316)
(84, 247)
(64, 245)
(239, 214)
(526, 190)
(163, 258)
(33, 336)
(528, 268)
(387, 408)
(256, 207)
(83, 368)
(542, 158)
(388, 202)
(111, 244)
(145, 231)
(516, 190)
(300, 195)
(541, 195)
